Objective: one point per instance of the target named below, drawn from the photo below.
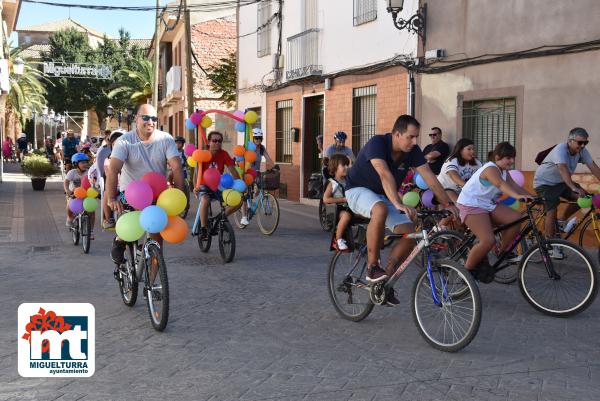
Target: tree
(223, 78)
(136, 82)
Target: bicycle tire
(128, 282)
(226, 241)
(510, 273)
(448, 307)
(344, 261)
(441, 247)
(158, 320)
(590, 241)
(532, 268)
(237, 218)
(323, 220)
(86, 233)
(205, 244)
(75, 231)
(268, 202)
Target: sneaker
(513, 258)
(244, 221)
(484, 272)
(204, 234)
(110, 223)
(391, 299)
(556, 253)
(376, 274)
(341, 245)
(117, 253)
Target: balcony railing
(303, 55)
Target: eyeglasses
(581, 143)
(147, 118)
(216, 140)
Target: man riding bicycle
(373, 183)
(70, 146)
(136, 153)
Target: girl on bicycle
(335, 195)
(480, 212)
(460, 166)
(73, 178)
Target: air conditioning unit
(435, 54)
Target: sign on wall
(74, 70)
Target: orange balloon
(175, 231)
(196, 155)
(248, 179)
(250, 156)
(80, 193)
(205, 156)
(239, 150)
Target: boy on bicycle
(73, 178)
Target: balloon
(202, 155)
(128, 227)
(240, 127)
(252, 172)
(250, 156)
(192, 162)
(584, 202)
(91, 193)
(239, 158)
(153, 219)
(248, 179)
(251, 146)
(517, 177)
(157, 182)
(211, 178)
(421, 182)
(195, 118)
(239, 185)
(239, 114)
(139, 194)
(232, 197)
(76, 206)
(516, 205)
(427, 199)
(85, 182)
(206, 122)
(80, 193)
(90, 205)
(484, 182)
(173, 201)
(226, 181)
(189, 124)
(239, 171)
(596, 201)
(175, 231)
(251, 117)
(188, 149)
(411, 199)
(508, 201)
(239, 150)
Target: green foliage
(223, 78)
(38, 166)
(25, 90)
(135, 83)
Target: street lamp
(415, 24)
(18, 66)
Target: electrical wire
(208, 75)
(203, 7)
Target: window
(488, 122)
(364, 11)
(283, 134)
(257, 110)
(364, 116)
(263, 33)
(310, 14)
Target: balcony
(303, 55)
(172, 83)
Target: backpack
(539, 159)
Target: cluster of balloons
(163, 217)
(85, 198)
(199, 119)
(413, 198)
(249, 117)
(511, 202)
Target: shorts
(553, 193)
(361, 201)
(468, 210)
(204, 190)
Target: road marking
(17, 232)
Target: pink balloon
(76, 206)
(85, 182)
(212, 177)
(195, 118)
(239, 114)
(138, 194)
(188, 149)
(517, 177)
(427, 199)
(596, 201)
(157, 182)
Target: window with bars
(283, 131)
(488, 122)
(364, 116)
(263, 33)
(364, 11)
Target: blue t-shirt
(70, 146)
(363, 174)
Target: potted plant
(38, 168)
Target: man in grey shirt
(553, 180)
(339, 147)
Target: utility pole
(189, 77)
(156, 56)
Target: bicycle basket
(271, 180)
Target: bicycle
(264, 205)
(81, 229)
(446, 322)
(217, 226)
(541, 274)
(145, 262)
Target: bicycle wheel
(348, 287)
(451, 324)
(85, 233)
(510, 272)
(571, 292)
(128, 283)
(237, 218)
(156, 287)
(588, 238)
(75, 230)
(268, 214)
(326, 224)
(204, 244)
(443, 244)
(226, 241)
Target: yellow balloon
(232, 198)
(206, 122)
(172, 200)
(92, 193)
(191, 162)
(251, 117)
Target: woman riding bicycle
(480, 212)
(73, 178)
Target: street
(263, 328)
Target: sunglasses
(582, 143)
(433, 135)
(258, 138)
(216, 140)
(147, 118)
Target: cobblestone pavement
(262, 327)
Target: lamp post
(44, 117)
(414, 24)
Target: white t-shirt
(465, 172)
(480, 194)
(74, 177)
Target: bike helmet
(79, 157)
(179, 139)
(340, 136)
(116, 134)
(257, 133)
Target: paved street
(263, 328)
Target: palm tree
(135, 83)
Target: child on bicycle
(335, 194)
(480, 212)
(73, 180)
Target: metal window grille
(263, 34)
(364, 116)
(364, 11)
(283, 134)
(488, 122)
(310, 14)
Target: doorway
(313, 127)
